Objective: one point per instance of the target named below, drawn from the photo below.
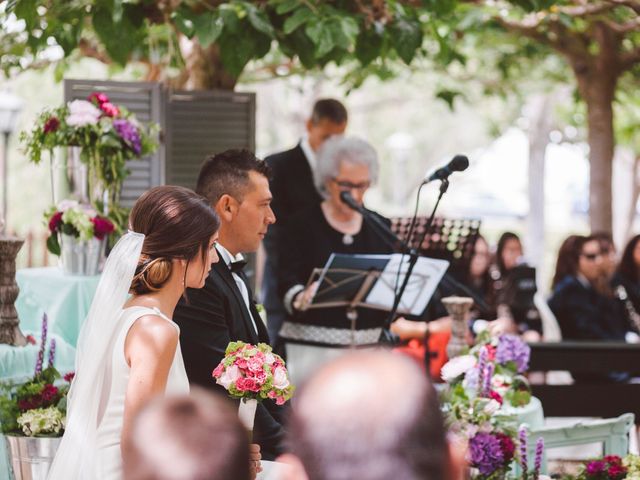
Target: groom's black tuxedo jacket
(209, 319)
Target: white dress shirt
(228, 258)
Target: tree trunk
(635, 194)
(203, 68)
(541, 118)
(597, 77)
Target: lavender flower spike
(52, 352)
(522, 438)
(43, 344)
(482, 365)
(538, 459)
(488, 377)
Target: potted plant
(32, 415)
(77, 234)
(99, 138)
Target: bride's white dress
(107, 454)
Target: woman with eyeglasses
(582, 312)
(345, 164)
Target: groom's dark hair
(370, 416)
(228, 173)
(194, 437)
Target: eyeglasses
(591, 256)
(344, 185)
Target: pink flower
(49, 393)
(255, 364)
(616, 471)
(102, 227)
(69, 376)
(51, 125)
(55, 222)
(98, 98)
(31, 340)
(82, 113)
(496, 396)
(280, 401)
(247, 385)
(272, 394)
(230, 375)
(109, 109)
(280, 380)
(218, 371)
(242, 363)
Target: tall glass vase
(72, 178)
(458, 309)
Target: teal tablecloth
(66, 300)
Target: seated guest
(312, 235)
(626, 281)
(195, 437)
(341, 430)
(582, 312)
(609, 262)
(515, 286)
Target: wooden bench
(587, 399)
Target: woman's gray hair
(338, 149)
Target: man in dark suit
(237, 185)
(293, 188)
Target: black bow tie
(237, 267)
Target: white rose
(269, 359)
(280, 380)
(65, 205)
(229, 376)
(82, 113)
(492, 407)
(457, 366)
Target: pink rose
(242, 363)
(109, 109)
(55, 222)
(247, 385)
(255, 364)
(102, 227)
(98, 98)
(51, 125)
(230, 375)
(272, 394)
(280, 380)
(280, 401)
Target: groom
(236, 184)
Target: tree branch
(632, 4)
(89, 50)
(626, 27)
(587, 9)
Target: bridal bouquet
(253, 372)
(480, 385)
(36, 407)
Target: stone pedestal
(458, 309)
(9, 330)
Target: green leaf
(407, 37)
(229, 17)
(368, 45)
(207, 27)
(52, 244)
(448, 96)
(260, 21)
(26, 10)
(285, 6)
(302, 16)
(120, 39)
(237, 50)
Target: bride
(128, 349)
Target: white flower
(40, 421)
(82, 113)
(492, 407)
(457, 366)
(269, 359)
(230, 375)
(280, 380)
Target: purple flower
(522, 438)
(488, 376)
(538, 459)
(594, 468)
(43, 344)
(129, 133)
(52, 352)
(482, 365)
(486, 453)
(512, 349)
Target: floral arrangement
(80, 221)
(108, 135)
(610, 467)
(480, 385)
(36, 407)
(253, 372)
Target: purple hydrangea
(486, 453)
(512, 349)
(129, 133)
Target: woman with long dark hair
(626, 281)
(128, 349)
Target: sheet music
(424, 279)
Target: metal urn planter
(31, 457)
(81, 257)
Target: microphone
(346, 197)
(457, 164)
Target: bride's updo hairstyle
(177, 224)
